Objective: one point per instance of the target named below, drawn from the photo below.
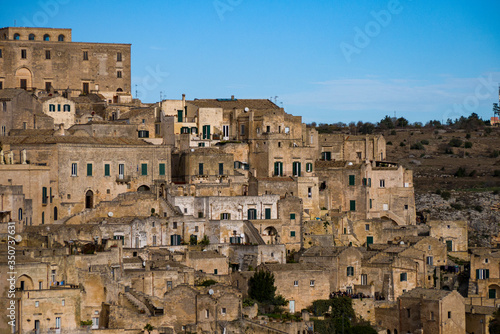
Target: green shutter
(44, 195)
(352, 205)
(370, 203)
(449, 245)
(292, 233)
(477, 273)
(162, 169)
(369, 240)
(487, 274)
(179, 116)
(268, 213)
(352, 180)
(292, 216)
(144, 169)
(200, 169)
(492, 293)
(89, 169)
(221, 169)
(106, 170)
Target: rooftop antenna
(161, 98)
(275, 99)
(136, 91)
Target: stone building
(341, 147)
(484, 273)
(299, 283)
(21, 110)
(61, 109)
(45, 58)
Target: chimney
(183, 98)
(232, 97)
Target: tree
(366, 128)
(386, 123)
(401, 122)
(261, 287)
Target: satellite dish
(242, 235)
(18, 238)
(210, 292)
(246, 109)
(110, 214)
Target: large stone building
(45, 58)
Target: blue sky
(328, 61)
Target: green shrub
(496, 173)
(468, 144)
(456, 206)
(438, 192)
(425, 142)
(393, 132)
(448, 151)
(402, 144)
(445, 195)
(473, 173)
(467, 136)
(417, 146)
(495, 154)
(389, 143)
(208, 282)
(478, 208)
(461, 172)
(455, 142)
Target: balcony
(123, 178)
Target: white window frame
(295, 283)
(382, 183)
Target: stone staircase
(140, 306)
(472, 290)
(147, 302)
(253, 234)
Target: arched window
(16, 37)
(31, 37)
(20, 214)
(119, 90)
(67, 107)
(60, 38)
(46, 37)
(52, 107)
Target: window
(144, 169)
(382, 183)
(311, 283)
(429, 260)
(31, 37)
(60, 38)
(296, 168)
(1, 82)
(154, 240)
(295, 283)
(268, 129)
(352, 205)
(309, 192)
(85, 88)
(267, 213)
(482, 273)
(47, 54)
(106, 170)
(309, 167)
(89, 169)
(242, 132)
(367, 227)
(58, 322)
(40, 286)
(449, 314)
(0, 53)
(223, 310)
(20, 214)
(143, 134)
(403, 277)
(85, 55)
(118, 74)
(449, 245)
(95, 323)
(408, 313)
(46, 37)
(162, 169)
(121, 171)
(44, 195)
(119, 56)
(23, 53)
(16, 37)
(225, 216)
(486, 261)
(37, 303)
(292, 216)
(221, 169)
(200, 169)
(207, 313)
(252, 213)
(358, 155)
(350, 271)
(215, 271)
(364, 279)
(352, 180)
(292, 233)
(63, 302)
(52, 107)
(278, 168)
(326, 156)
(174, 225)
(206, 132)
(169, 284)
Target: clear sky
(328, 61)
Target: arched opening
(60, 38)
(24, 282)
(162, 190)
(119, 90)
(31, 37)
(270, 235)
(388, 331)
(55, 213)
(89, 199)
(143, 188)
(23, 77)
(16, 37)
(46, 37)
(493, 291)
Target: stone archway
(89, 199)
(24, 282)
(270, 235)
(24, 78)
